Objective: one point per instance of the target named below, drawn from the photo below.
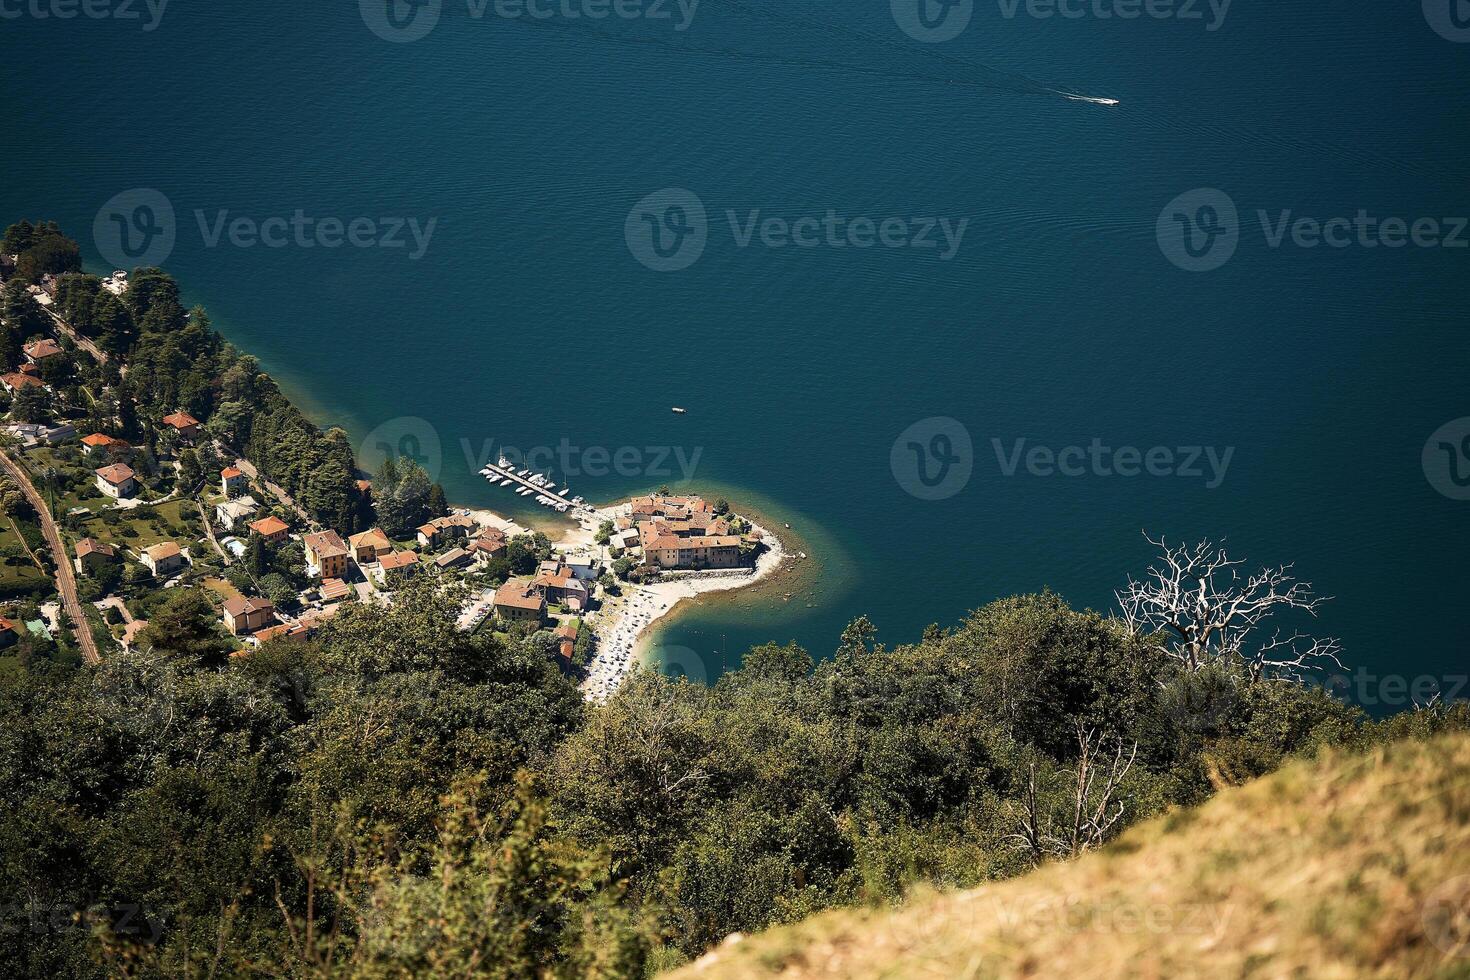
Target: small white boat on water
(680, 411)
(505, 483)
(523, 472)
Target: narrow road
(248, 468)
(82, 342)
(209, 530)
(66, 582)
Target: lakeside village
(107, 508)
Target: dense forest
(399, 798)
(177, 362)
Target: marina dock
(529, 484)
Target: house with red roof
(118, 481)
(38, 350)
(272, 529)
(186, 425)
(232, 481)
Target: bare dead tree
(653, 726)
(1212, 613)
(1029, 830)
(1095, 809)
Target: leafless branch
(1095, 810)
(1209, 611)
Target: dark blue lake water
(1049, 314)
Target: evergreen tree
(111, 323)
(32, 404)
(18, 237)
(257, 556)
(184, 626)
(438, 506)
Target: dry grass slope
(1349, 866)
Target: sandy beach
(623, 623)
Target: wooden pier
(498, 474)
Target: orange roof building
(518, 601)
(272, 529)
(99, 441)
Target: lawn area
(17, 573)
(222, 588)
(143, 527)
(72, 471)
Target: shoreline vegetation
(301, 756)
(153, 358)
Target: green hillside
(1349, 866)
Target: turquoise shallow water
(1059, 320)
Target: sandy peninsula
(622, 623)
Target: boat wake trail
(766, 27)
(1088, 98)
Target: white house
(231, 511)
(163, 559)
(118, 480)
